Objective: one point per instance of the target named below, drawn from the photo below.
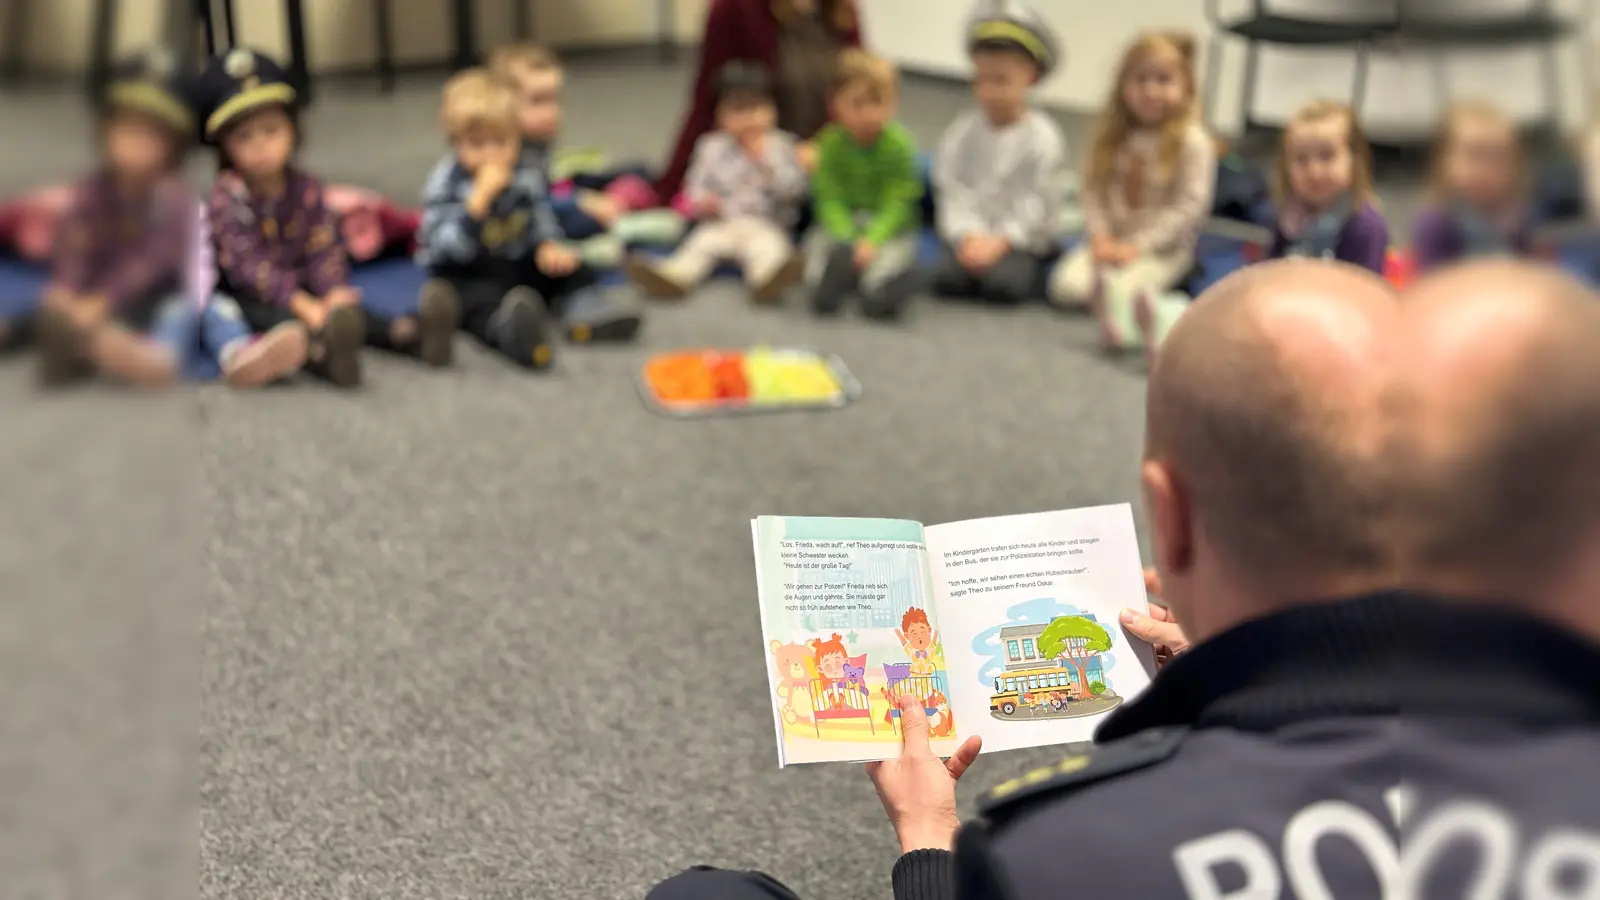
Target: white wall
(1093, 33)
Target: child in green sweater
(865, 192)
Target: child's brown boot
(438, 316)
(648, 277)
(771, 291)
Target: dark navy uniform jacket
(1295, 756)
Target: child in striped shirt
(865, 194)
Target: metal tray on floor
(849, 389)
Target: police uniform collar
(1383, 654)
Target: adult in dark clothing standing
(796, 41)
(1427, 466)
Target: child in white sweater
(998, 167)
(1148, 189)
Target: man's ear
(1171, 520)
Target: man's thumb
(913, 725)
(1152, 631)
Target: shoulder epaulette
(1080, 770)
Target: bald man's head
(1503, 379)
(1268, 404)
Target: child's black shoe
(438, 316)
(596, 314)
(521, 329)
(63, 349)
(339, 347)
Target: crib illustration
(833, 699)
(901, 681)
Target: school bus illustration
(1034, 679)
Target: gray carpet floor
(476, 634)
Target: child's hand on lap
(88, 311)
(556, 260)
(604, 209)
(865, 253)
(1103, 249)
(806, 155)
(343, 295)
(309, 310)
(707, 207)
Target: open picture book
(1006, 628)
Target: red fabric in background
(735, 29)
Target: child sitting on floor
(866, 192)
(488, 238)
(1479, 203)
(745, 183)
(277, 242)
(538, 80)
(1146, 193)
(997, 171)
(133, 274)
(1327, 206)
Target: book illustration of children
(830, 657)
(794, 681)
(917, 637)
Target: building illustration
(1022, 651)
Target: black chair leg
(381, 17)
(465, 34)
(12, 66)
(228, 25)
(105, 29)
(1247, 91)
(1213, 75)
(204, 11)
(1358, 90)
(299, 67)
(522, 19)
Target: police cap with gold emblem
(156, 83)
(1008, 24)
(239, 83)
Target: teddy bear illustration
(794, 681)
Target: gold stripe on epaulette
(1039, 776)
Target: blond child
(1478, 205)
(1146, 192)
(487, 235)
(1327, 204)
(865, 194)
(605, 225)
(745, 183)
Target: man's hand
(918, 789)
(344, 295)
(555, 260)
(1156, 627)
(807, 156)
(865, 253)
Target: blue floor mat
(21, 283)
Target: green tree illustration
(1077, 640)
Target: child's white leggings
(1078, 276)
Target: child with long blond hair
(1148, 187)
(1327, 205)
(1479, 203)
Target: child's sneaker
(648, 277)
(258, 361)
(341, 338)
(438, 316)
(61, 349)
(133, 358)
(596, 314)
(772, 290)
(521, 330)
